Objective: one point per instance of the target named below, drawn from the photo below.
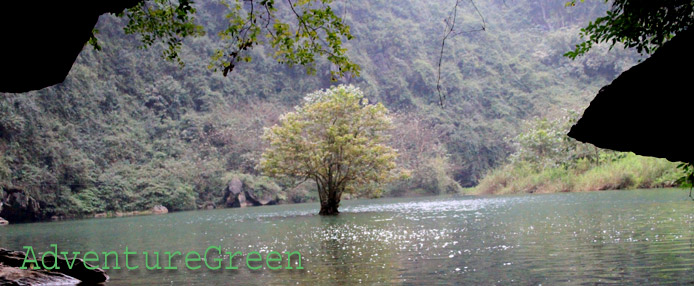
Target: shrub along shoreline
(546, 160)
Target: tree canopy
(335, 139)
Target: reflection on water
(643, 237)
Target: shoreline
(466, 192)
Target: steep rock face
(233, 196)
(259, 195)
(42, 40)
(647, 109)
(17, 206)
(244, 193)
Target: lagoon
(624, 237)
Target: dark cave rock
(647, 109)
(42, 39)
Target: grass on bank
(630, 171)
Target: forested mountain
(128, 130)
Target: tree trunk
(330, 203)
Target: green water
(624, 237)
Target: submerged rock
(79, 270)
(20, 277)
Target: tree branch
(449, 33)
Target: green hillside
(128, 130)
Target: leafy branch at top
(313, 30)
(163, 21)
(643, 25)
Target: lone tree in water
(335, 139)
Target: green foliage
(335, 139)
(687, 178)
(544, 144)
(318, 31)
(643, 25)
(629, 172)
(125, 124)
(546, 160)
(163, 21)
(434, 178)
(421, 152)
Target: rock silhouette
(647, 109)
(42, 41)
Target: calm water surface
(618, 237)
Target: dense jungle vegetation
(128, 130)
